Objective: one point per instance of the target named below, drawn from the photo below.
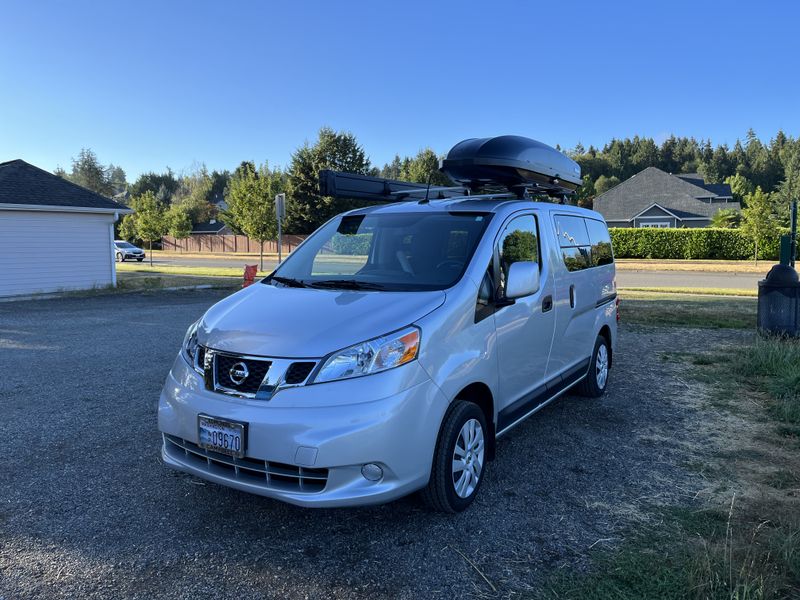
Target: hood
(265, 320)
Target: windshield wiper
(288, 281)
(347, 284)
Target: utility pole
(280, 214)
(793, 243)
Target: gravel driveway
(87, 508)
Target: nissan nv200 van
(393, 348)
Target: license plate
(218, 435)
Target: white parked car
(394, 347)
(125, 250)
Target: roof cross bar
(352, 185)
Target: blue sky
(153, 84)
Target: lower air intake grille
(268, 474)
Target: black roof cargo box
(513, 161)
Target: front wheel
(459, 459)
(596, 380)
(140, 259)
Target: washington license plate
(226, 437)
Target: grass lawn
(708, 266)
(750, 547)
(224, 255)
(237, 271)
(695, 291)
(132, 281)
(683, 310)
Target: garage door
(51, 251)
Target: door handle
(547, 303)
(572, 296)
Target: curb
(114, 292)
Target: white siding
(53, 251)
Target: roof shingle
(654, 186)
(23, 183)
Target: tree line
(764, 177)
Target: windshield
(124, 245)
(397, 252)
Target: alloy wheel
(601, 366)
(468, 458)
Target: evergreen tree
(424, 167)
(88, 172)
(339, 151)
(163, 185)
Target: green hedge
(700, 243)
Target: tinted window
(571, 231)
(574, 241)
(576, 258)
(602, 253)
(518, 242)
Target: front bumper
(304, 432)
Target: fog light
(372, 472)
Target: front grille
(267, 474)
(298, 372)
(257, 370)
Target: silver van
(395, 346)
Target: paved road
(625, 278)
(88, 510)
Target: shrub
(699, 243)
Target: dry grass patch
(644, 308)
(744, 541)
(708, 266)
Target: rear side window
(601, 243)
(573, 237)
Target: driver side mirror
(523, 279)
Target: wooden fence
(207, 243)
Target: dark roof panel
(715, 189)
(23, 183)
(208, 227)
(654, 186)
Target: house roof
(654, 186)
(717, 189)
(23, 185)
(208, 227)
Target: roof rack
(522, 166)
(352, 185)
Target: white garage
(54, 235)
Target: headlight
(372, 356)
(190, 343)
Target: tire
(140, 259)
(595, 383)
(120, 257)
(463, 434)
